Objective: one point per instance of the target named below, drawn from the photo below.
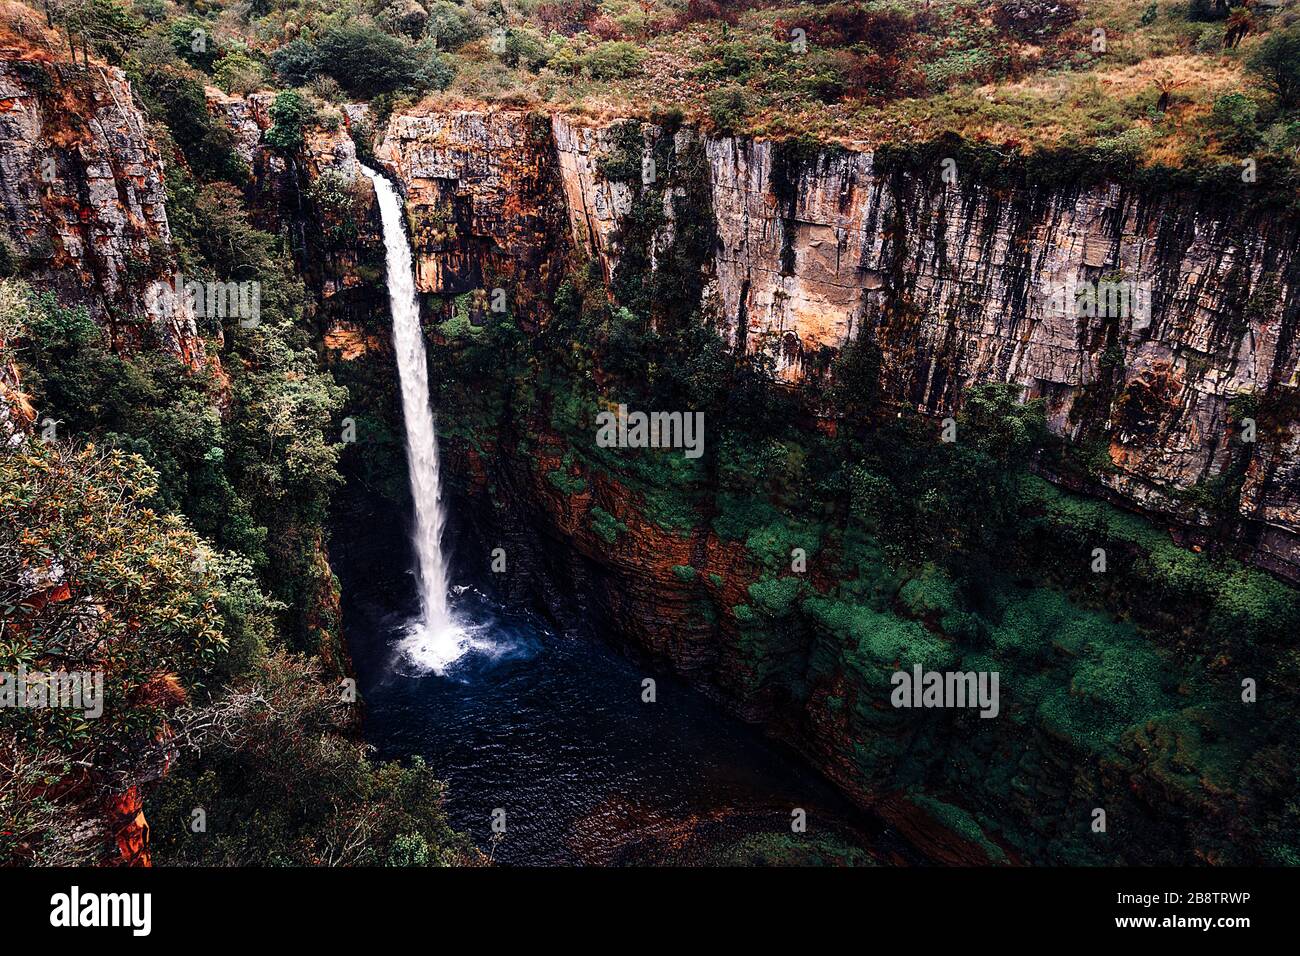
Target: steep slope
(84, 201)
(793, 568)
(958, 273)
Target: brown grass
(24, 35)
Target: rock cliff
(1154, 323)
(81, 185)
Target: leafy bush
(194, 43)
(1233, 119)
(237, 72)
(405, 17)
(173, 91)
(451, 25)
(1276, 62)
(283, 784)
(288, 114)
(525, 47)
(613, 60)
(366, 61)
(296, 62)
(729, 110)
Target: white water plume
(436, 639)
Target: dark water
(551, 727)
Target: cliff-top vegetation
(1167, 82)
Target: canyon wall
(83, 196)
(954, 280)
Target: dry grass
(24, 35)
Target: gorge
(909, 451)
(499, 200)
(692, 787)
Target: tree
(366, 61)
(281, 783)
(288, 114)
(296, 62)
(94, 579)
(1276, 61)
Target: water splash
(436, 639)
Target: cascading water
(435, 640)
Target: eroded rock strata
(799, 251)
(82, 186)
(957, 282)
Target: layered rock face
(321, 199)
(81, 184)
(482, 204)
(1154, 326)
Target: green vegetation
(186, 502)
(288, 114)
(1139, 84)
(172, 535)
(951, 555)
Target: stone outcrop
(81, 184)
(247, 117)
(321, 199)
(482, 207)
(1153, 325)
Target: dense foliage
(1120, 689)
(165, 527)
(1131, 79)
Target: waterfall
(435, 640)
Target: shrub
(174, 93)
(194, 43)
(283, 784)
(288, 114)
(450, 25)
(366, 61)
(1283, 138)
(296, 62)
(525, 47)
(436, 71)
(1233, 120)
(729, 109)
(614, 60)
(884, 31)
(405, 17)
(337, 202)
(238, 73)
(1276, 61)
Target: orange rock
(130, 829)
